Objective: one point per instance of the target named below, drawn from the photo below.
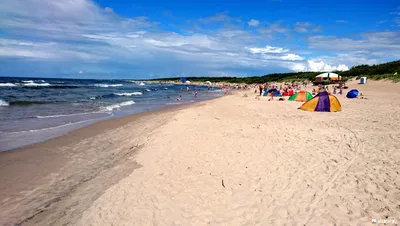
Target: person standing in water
(187, 89)
(179, 98)
(195, 93)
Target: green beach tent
(301, 96)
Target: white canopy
(187, 81)
(208, 82)
(325, 75)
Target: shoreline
(13, 142)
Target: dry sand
(229, 161)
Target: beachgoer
(179, 98)
(195, 94)
(261, 89)
(187, 89)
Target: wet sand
(230, 161)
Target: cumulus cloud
(253, 23)
(317, 66)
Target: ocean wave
(118, 106)
(142, 84)
(148, 90)
(107, 85)
(165, 88)
(7, 84)
(28, 81)
(129, 94)
(3, 103)
(57, 116)
(36, 84)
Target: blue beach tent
(352, 94)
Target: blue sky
(149, 39)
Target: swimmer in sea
(195, 94)
(179, 99)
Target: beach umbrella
(352, 94)
(183, 80)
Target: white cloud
(292, 57)
(272, 28)
(109, 10)
(316, 66)
(303, 27)
(268, 49)
(341, 21)
(253, 23)
(322, 66)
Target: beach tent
(301, 96)
(322, 102)
(183, 80)
(277, 93)
(208, 82)
(352, 94)
(327, 75)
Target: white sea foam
(118, 106)
(142, 84)
(36, 84)
(93, 98)
(165, 88)
(107, 85)
(148, 90)
(3, 103)
(129, 94)
(28, 81)
(57, 116)
(7, 84)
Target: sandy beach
(233, 160)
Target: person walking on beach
(261, 89)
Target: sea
(33, 110)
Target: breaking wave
(118, 106)
(129, 94)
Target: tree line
(374, 71)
